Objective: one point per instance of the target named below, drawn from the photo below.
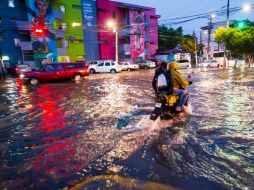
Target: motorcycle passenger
(161, 79)
(178, 84)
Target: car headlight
(21, 76)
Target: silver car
(147, 64)
(184, 64)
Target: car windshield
(22, 66)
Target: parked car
(22, 68)
(127, 66)
(105, 67)
(209, 63)
(147, 64)
(94, 62)
(184, 64)
(56, 71)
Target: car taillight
(17, 69)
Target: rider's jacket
(177, 80)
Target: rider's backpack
(164, 82)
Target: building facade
(75, 30)
(211, 47)
(15, 39)
(69, 30)
(137, 28)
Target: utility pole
(116, 43)
(228, 14)
(225, 48)
(209, 39)
(196, 51)
(201, 45)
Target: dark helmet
(164, 65)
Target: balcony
(124, 47)
(26, 46)
(61, 52)
(58, 14)
(124, 33)
(60, 34)
(147, 24)
(147, 51)
(147, 38)
(23, 25)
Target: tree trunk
(235, 63)
(249, 58)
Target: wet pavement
(96, 134)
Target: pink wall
(106, 35)
(105, 11)
(152, 30)
(137, 31)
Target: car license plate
(158, 105)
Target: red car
(56, 71)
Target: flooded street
(96, 134)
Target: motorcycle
(165, 107)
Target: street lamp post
(112, 25)
(116, 31)
(225, 48)
(209, 36)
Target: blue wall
(8, 16)
(90, 28)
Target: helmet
(173, 66)
(164, 65)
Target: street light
(246, 7)
(74, 24)
(112, 25)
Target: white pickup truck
(127, 66)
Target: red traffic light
(38, 31)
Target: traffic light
(241, 25)
(38, 31)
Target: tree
(169, 38)
(249, 44)
(237, 41)
(188, 43)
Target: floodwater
(96, 134)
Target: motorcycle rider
(178, 85)
(162, 79)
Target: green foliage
(239, 42)
(169, 38)
(188, 43)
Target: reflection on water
(97, 134)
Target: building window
(62, 26)
(13, 19)
(28, 55)
(101, 10)
(62, 8)
(114, 15)
(59, 43)
(76, 6)
(78, 41)
(11, 3)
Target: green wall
(71, 15)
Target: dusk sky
(178, 8)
